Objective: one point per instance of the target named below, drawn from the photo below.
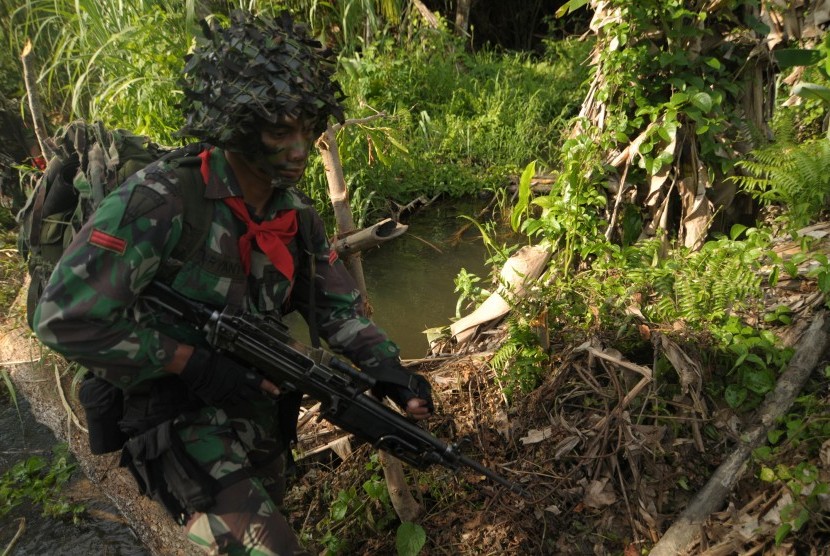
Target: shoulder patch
(143, 200)
(108, 242)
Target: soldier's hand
(221, 381)
(415, 398)
(418, 409)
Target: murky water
(102, 532)
(410, 279)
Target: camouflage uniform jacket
(88, 311)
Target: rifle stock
(264, 344)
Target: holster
(103, 404)
(165, 471)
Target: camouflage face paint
(284, 151)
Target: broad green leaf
(762, 453)
(752, 358)
(736, 231)
(782, 532)
(734, 395)
(678, 98)
(703, 101)
(783, 472)
(803, 517)
(791, 57)
(570, 6)
(812, 91)
(410, 539)
(759, 381)
(524, 196)
(338, 510)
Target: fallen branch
(368, 238)
(18, 362)
(71, 417)
(686, 528)
(20, 530)
(306, 417)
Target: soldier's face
(286, 146)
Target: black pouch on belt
(104, 406)
(165, 471)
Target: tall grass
(349, 25)
(468, 120)
(459, 122)
(113, 61)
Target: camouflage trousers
(245, 518)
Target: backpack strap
(198, 211)
(304, 222)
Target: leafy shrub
(40, 482)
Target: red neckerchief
(272, 236)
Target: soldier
(207, 437)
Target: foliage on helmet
(258, 69)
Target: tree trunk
(339, 195)
(462, 17)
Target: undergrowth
(39, 482)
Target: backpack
(90, 162)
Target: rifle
(264, 344)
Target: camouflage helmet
(245, 76)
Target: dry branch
(808, 353)
(402, 500)
(358, 121)
(20, 530)
(425, 12)
(70, 415)
(29, 73)
(339, 195)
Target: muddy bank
(35, 374)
